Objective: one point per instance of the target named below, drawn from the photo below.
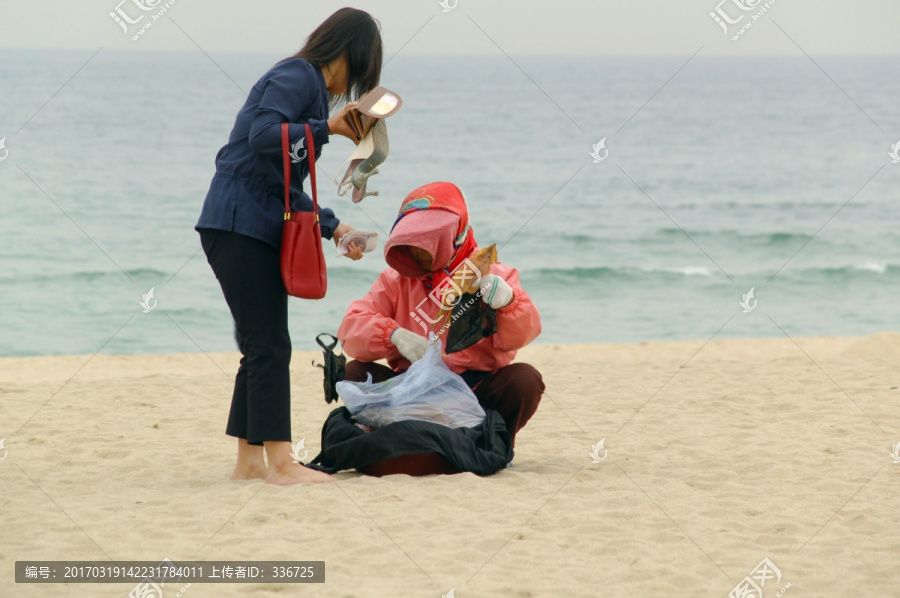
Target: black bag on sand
(470, 321)
(333, 369)
(482, 450)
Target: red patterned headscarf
(447, 197)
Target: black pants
(249, 272)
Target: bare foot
(295, 473)
(250, 464)
(250, 473)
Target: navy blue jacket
(247, 192)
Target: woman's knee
(524, 380)
(271, 347)
(357, 371)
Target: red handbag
(302, 257)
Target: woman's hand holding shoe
(338, 126)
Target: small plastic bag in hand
(470, 321)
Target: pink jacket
(365, 332)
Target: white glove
(411, 345)
(495, 291)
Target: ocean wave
(872, 267)
(89, 275)
(773, 238)
(610, 272)
(649, 273)
(865, 269)
(752, 206)
(154, 276)
(684, 271)
(340, 274)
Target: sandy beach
(717, 455)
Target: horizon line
(458, 54)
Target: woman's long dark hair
(352, 32)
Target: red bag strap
(286, 154)
(311, 158)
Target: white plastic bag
(428, 391)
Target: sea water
(738, 173)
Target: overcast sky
(586, 27)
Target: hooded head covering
(434, 218)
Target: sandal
(371, 152)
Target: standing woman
(243, 215)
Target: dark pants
(513, 391)
(249, 273)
